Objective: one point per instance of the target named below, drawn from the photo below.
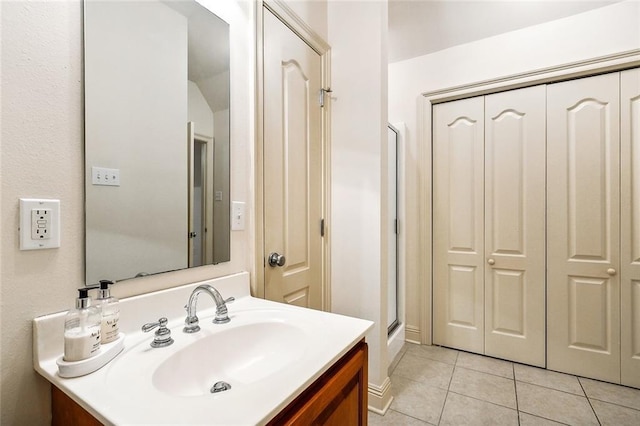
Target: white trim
(380, 397)
(602, 64)
(598, 65)
(395, 343)
(284, 13)
(413, 335)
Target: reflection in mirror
(156, 138)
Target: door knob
(491, 262)
(276, 259)
(611, 271)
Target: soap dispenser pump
(82, 329)
(110, 308)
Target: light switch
(237, 216)
(39, 224)
(104, 176)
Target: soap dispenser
(110, 307)
(82, 329)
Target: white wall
(199, 111)
(357, 35)
(216, 90)
(42, 156)
(600, 32)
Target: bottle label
(96, 339)
(110, 327)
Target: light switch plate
(237, 216)
(39, 224)
(104, 176)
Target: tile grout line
(483, 400)
(553, 388)
(589, 401)
(609, 402)
(410, 416)
(515, 390)
(448, 387)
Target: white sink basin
(269, 353)
(239, 356)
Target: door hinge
(321, 96)
(396, 225)
(322, 227)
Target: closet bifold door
(458, 224)
(515, 225)
(583, 227)
(630, 226)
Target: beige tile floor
(439, 386)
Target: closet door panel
(630, 226)
(458, 203)
(583, 292)
(515, 225)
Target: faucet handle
(162, 336)
(162, 322)
(222, 314)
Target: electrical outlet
(39, 224)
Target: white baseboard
(380, 397)
(412, 335)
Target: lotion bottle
(110, 308)
(82, 329)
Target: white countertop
(125, 392)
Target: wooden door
(630, 226)
(515, 225)
(583, 287)
(292, 167)
(458, 224)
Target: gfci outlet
(39, 224)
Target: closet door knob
(491, 262)
(611, 271)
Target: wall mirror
(156, 137)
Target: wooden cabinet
(66, 412)
(338, 397)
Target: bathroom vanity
(338, 397)
(283, 364)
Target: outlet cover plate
(29, 240)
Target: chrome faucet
(191, 322)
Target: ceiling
(419, 27)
